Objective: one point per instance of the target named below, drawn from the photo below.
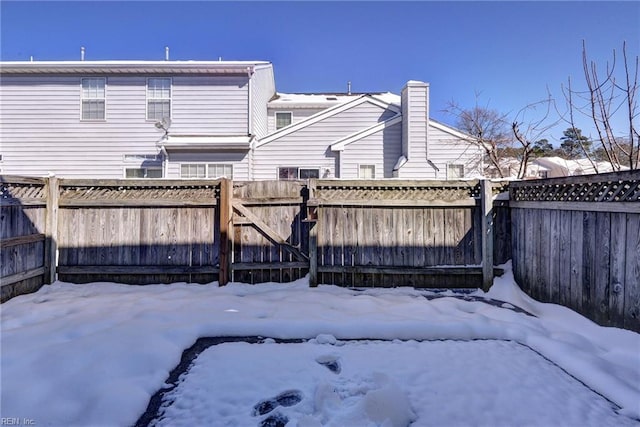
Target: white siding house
(206, 119)
(98, 118)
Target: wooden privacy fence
(576, 242)
(25, 235)
(352, 233)
(392, 233)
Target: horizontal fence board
(159, 202)
(24, 201)
(23, 275)
(267, 265)
(21, 240)
(137, 269)
(394, 203)
(139, 182)
(442, 270)
(624, 207)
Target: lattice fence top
(594, 189)
(137, 193)
(420, 192)
(20, 192)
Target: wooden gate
(269, 231)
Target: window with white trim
(206, 170)
(292, 172)
(144, 172)
(455, 171)
(283, 119)
(93, 98)
(367, 171)
(158, 98)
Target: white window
(93, 98)
(220, 171)
(148, 172)
(367, 171)
(455, 171)
(292, 172)
(543, 174)
(202, 170)
(283, 119)
(158, 98)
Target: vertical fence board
(617, 265)
(601, 288)
(632, 275)
(553, 285)
(588, 259)
(577, 224)
(565, 258)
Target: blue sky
(504, 55)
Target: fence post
(226, 229)
(51, 231)
(486, 198)
(313, 240)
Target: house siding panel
(443, 150)
(262, 90)
(309, 146)
(298, 114)
(41, 130)
(210, 105)
(382, 149)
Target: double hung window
(93, 98)
(158, 98)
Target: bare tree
(489, 130)
(529, 130)
(607, 96)
(505, 140)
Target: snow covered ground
(93, 355)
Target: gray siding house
(207, 119)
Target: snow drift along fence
(576, 242)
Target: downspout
(250, 103)
(250, 122)
(165, 161)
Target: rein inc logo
(16, 421)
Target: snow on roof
(323, 100)
(577, 166)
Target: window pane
(157, 110)
(282, 120)
(455, 171)
(309, 173)
(93, 98)
(287, 173)
(154, 173)
(218, 170)
(367, 172)
(134, 173)
(93, 110)
(193, 170)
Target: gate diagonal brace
(269, 232)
